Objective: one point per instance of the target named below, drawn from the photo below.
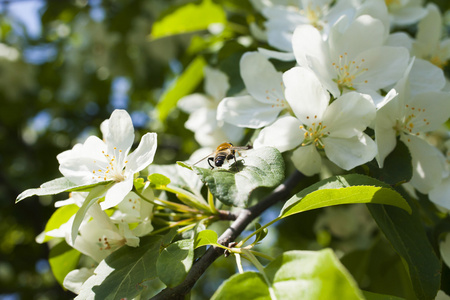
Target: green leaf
(205, 237)
(93, 197)
(168, 237)
(57, 186)
(175, 261)
(158, 180)
(379, 268)
(397, 166)
(375, 296)
(406, 234)
(295, 275)
(59, 217)
(62, 260)
(184, 165)
(124, 272)
(261, 234)
(180, 177)
(248, 285)
(263, 167)
(52, 187)
(188, 18)
(347, 189)
(184, 85)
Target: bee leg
(235, 163)
(210, 159)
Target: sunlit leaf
(188, 18)
(262, 167)
(295, 275)
(62, 260)
(93, 197)
(338, 190)
(205, 237)
(183, 85)
(59, 217)
(158, 180)
(57, 186)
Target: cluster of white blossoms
(96, 230)
(354, 90)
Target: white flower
(75, 279)
(405, 12)
(202, 109)
(109, 160)
(351, 59)
(444, 248)
(135, 210)
(266, 99)
(440, 195)
(428, 44)
(335, 128)
(409, 116)
(282, 20)
(100, 237)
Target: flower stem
(256, 231)
(186, 197)
(249, 255)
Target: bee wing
(241, 148)
(204, 158)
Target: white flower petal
(305, 94)
(75, 279)
(121, 132)
(351, 152)
(307, 160)
(386, 141)
(284, 134)
(193, 102)
(83, 170)
(444, 248)
(431, 110)
(246, 111)
(203, 119)
(428, 163)
(216, 83)
(385, 66)
(117, 193)
(354, 39)
(261, 78)
(349, 115)
(400, 39)
(440, 195)
(307, 42)
(408, 15)
(429, 30)
(143, 155)
(283, 56)
(234, 133)
(425, 77)
(130, 239)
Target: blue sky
(27, 11)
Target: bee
(223, 151)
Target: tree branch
(245, 217)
